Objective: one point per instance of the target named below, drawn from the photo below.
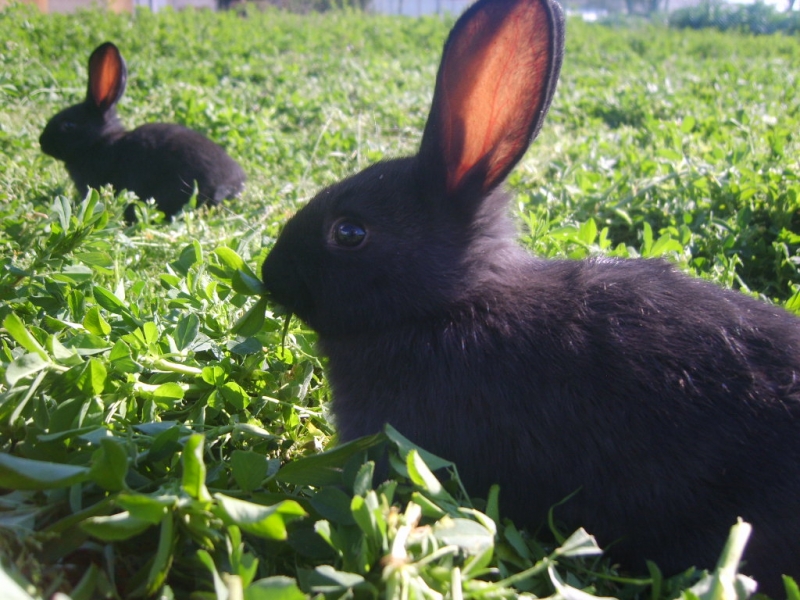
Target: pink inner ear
(493, 84)
(106, 73)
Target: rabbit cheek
(59, 139)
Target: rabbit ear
(495, 82)
(107, 76)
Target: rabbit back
(667, 406)
(164, 161)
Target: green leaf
(75, 274)
(229, 258)
(688, 124)
(253, 320)
(253, 431)
(670, 154)
(246, 283)
(162, 562)
(404, 446)
(664, 245)
(791, 587)
(108, 300)
(121, 359)
(194, 469)
(167, 394)
(429, 508)
(191, 255)
(580, 543)
(363, 481)
(25, 365)
(243, 564)
(647, 238)
(274, 588)
(110, 465)
(475, 565)
(87, 344)
(567, 592)
(91, 378)
(113, 528)
(327, 580)
(249, 469)
(86, 587)
(793, 303)
(150, 332)
(423, 477)
(24, 474)
(87, 207)
(186, 331)
(263, 521)
(95, 323)
(587, 232)
(472, 537)
(493, 503)
(515, 539)
(367, 515)
(214, 375)
(325, 468)
(235, 395)
(96, 259)
(66, 416)
(220, 589)
(170, 281)
(147, 508)
(724, 581)
(16, 329)
(62, 354)
(236, 272)
(334, 505)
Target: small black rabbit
(667, 405)
(163, 161)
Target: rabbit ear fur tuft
(495, 83)
(107, 77)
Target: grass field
(161, 437)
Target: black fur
(669, 405)
(163, 161)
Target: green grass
(177, 434)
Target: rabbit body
(163, 161)
(667, 405)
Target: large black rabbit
(667, 405)
(163, 161)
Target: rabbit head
(70, 133)
(405, 236)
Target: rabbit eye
(68, 126)
(349, 234)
